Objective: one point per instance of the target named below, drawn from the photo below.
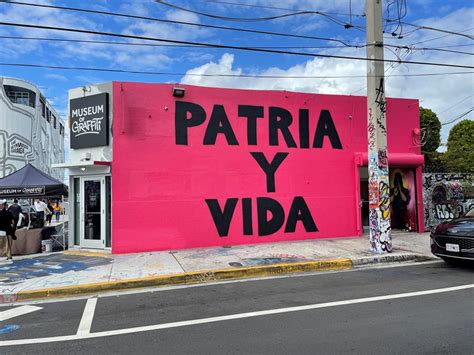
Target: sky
(448, 95)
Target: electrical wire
(196, 46)
(437, 30)
(147, 18)
(123, 71)
(157, 45)
(436, 38)
(459, 117)
(254, 19)
(457, 103)
(275, 8)
(250, 49)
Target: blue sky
(448, 95)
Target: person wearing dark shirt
(399, 199)
(15, 210)
(6, 220)
(49, 213)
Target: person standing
(6, 220)
(49, 212)
(40, 207)
(57, 210)
(15, 210)
(399, 200)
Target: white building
(31, 131)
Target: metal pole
(379, 187)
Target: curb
(182, 279)
(390, 259)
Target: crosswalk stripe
(17, 311)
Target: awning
(30, 182)
(395, 159)
(81, 164)
(86, 167)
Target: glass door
(93, 213)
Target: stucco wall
(171, 182)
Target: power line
(250, 49)
(153, 44)
(457, 103)
(427, 49)
(435, 38)
(147, 18)
(402, 12)
(459, 117)
(274, 7)
(196, 46)
(27, 65)
(438, 30)
(232, 28)
(458, 45)
(257, 19)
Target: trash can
(46, 246)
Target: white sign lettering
(92, 126)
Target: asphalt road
(424, 308)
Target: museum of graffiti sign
(89, 121)
(22, 191)
(189, 115)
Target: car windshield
(470, 213)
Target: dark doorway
(364, 202)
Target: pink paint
(160, 187)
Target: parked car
(454, 240)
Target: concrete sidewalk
(79, 272)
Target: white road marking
(230, 317)
(18, 311)
(87, 317)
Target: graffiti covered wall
(446, 196)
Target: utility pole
(379, 185)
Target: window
(61, 129)
(54, 121)
(19, 95)
(43, 108)
(48, 115)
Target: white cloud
(182, 16)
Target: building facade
(31, 131)
(157, 167)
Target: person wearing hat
(6, 225)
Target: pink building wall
(161, 186)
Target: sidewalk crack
(180, 265)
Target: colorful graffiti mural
(403, 199)
(446, 196)
(379, 192)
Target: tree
(431, 126)
(429, 122)
(460, 154)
